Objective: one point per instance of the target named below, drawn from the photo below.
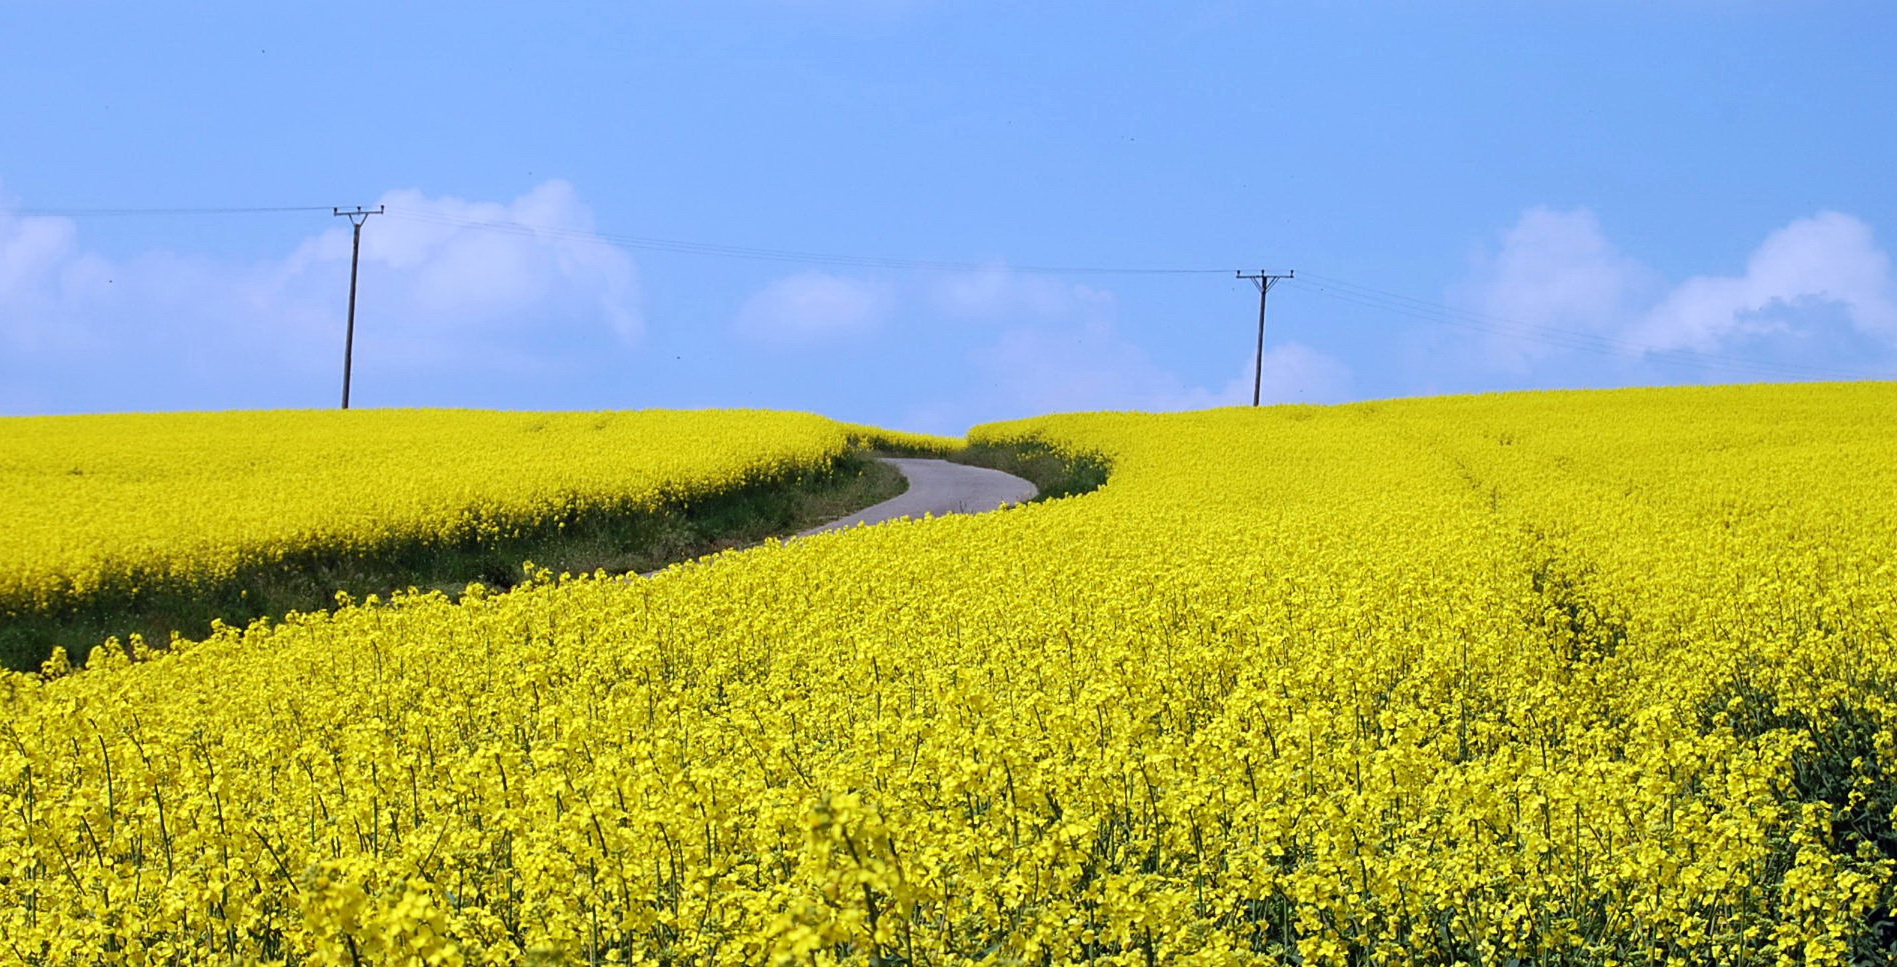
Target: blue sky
(1476, 196)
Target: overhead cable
(84, 212)
(772, 254)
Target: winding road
(935, 487)
(939, 487)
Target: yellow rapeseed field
(1566, 678)
(108, 504)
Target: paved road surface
(939, 487)
(935, 487)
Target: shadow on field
(1053, 473)
(609, 539)
(613, 540)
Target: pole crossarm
(359, 214)
(356, 216)
(1264, 281)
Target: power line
(680, 246)
(1329, 287)
(672, 245)
(86, 212)
(1437, 313)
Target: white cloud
(1294, 373)
(1086, 367)
(814, 306)
(458, 276)
(447, 311)
(1094, 366)
(1554, 269)
(1064, 350)
(999, 294)
(42, 271)
(1074, 356)
(1827, 258)
(1557, 270)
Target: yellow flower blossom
(1579, 678)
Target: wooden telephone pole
(356, 217)
(1264, 281)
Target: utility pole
(1264, 281)
(356, 217)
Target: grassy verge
(1055, 474)
(581, 543)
